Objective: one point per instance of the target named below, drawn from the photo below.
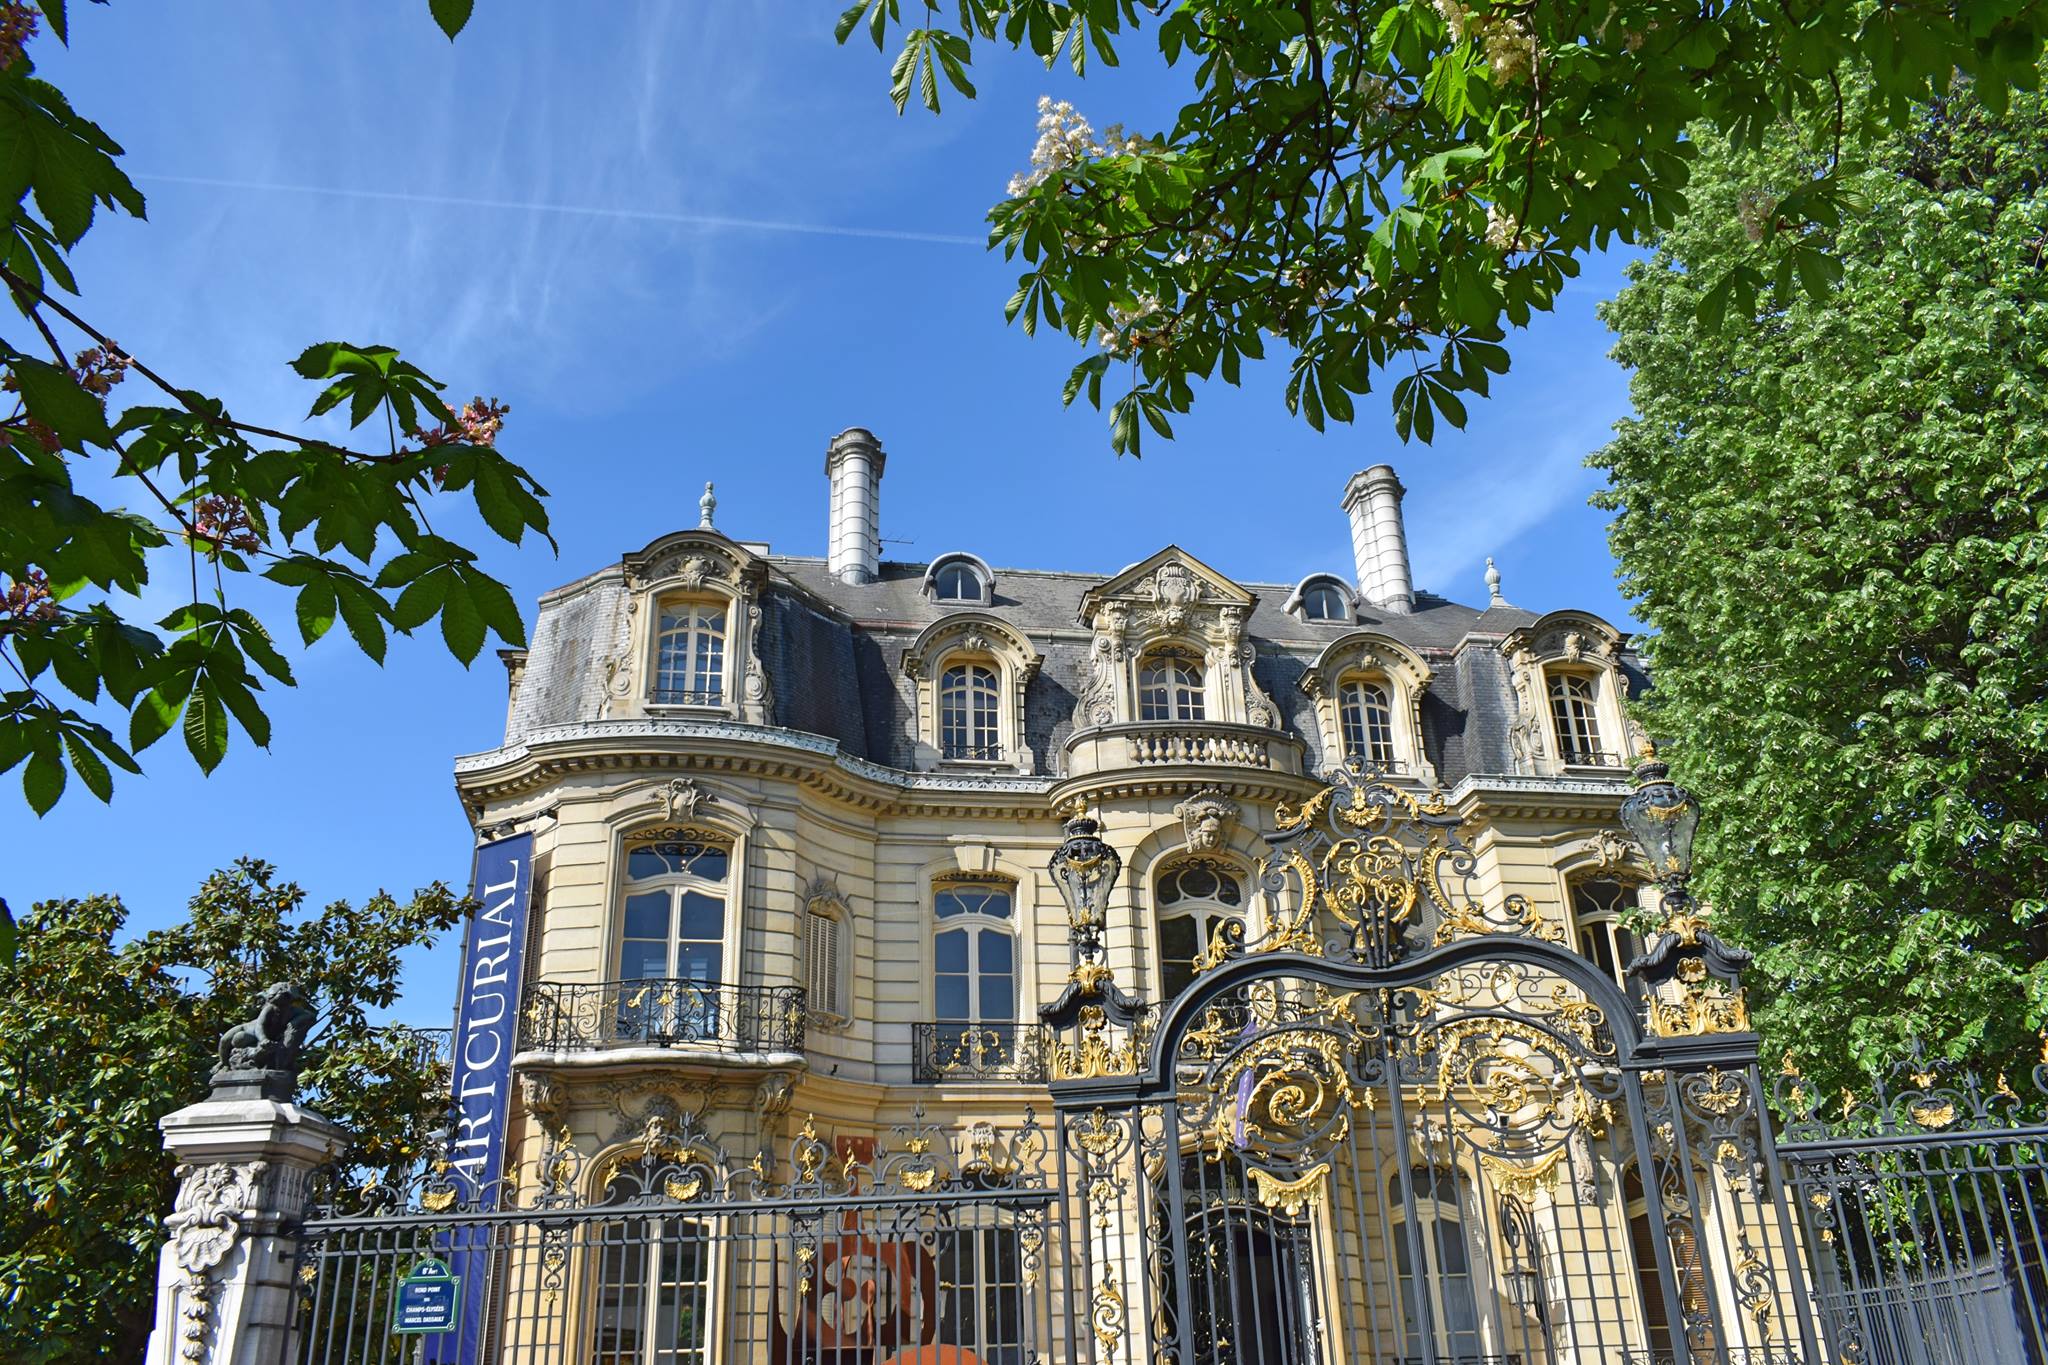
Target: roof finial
(709, 504)
(1493, 597)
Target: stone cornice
(555, 752)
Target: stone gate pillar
(245, 1155)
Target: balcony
(1151, 745)
(951, 1052)
(664, 1012)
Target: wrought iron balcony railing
(952, 1051)
(574, 1016)
(1590, 758)
(427, 1046)
(972, 753)
(676, 696)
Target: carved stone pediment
(1168, 593)
(1565, 636)
(692, 560)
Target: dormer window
(689, 665)
(1575, 718)
(1366, 710)
(957, 579)
(1324, 599)
(970, 713)
(1170, 686)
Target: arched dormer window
(969, 674)
(970, 711)
(690, 634)
(959, 579)
(1199, 900)
(1170, 685)
(1365, 709)
(1570, 694)
(1323, 599)
(1368, 692)
(689, 653)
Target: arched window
(1367, 710)
(1197, 898)
(1442, 1282)
(970, 721)
(974, 961)
(1251, 1271)
(1170, 686)
(958, 581)
(1686, 1267)
(1575, 716)
(689, 662)
(653, 1297)
(672, 938)
(1598, 904)
(1325, 602)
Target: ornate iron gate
(1392, 1124)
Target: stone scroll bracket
(225, 1292)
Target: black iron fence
(951, 1051)
(574, 1016)
(928, 1251)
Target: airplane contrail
(574, 210)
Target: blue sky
(685, 242)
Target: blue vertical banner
(486, 1022)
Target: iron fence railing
(427, 1046)
(572, 1016)
(679, 696)
(950, 1051)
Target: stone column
(224, 1292)
(246, 1155)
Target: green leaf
(53, 13)
(451, 15)
(363, 612)
(420, 600)
(55, 399)
(91, 769)
(206, 724)
(462, 623)
(10, 937)
(42, 781)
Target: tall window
(1367, 713)
(1442, 1284)
(1170, 687)
(1325, 602)
(1250, 1273)
(822, 972)
(1597, 907)
(1196, 900)
(982, 1291)
(653, 1301)
(974, 957)
(1685, 1265)
(689, 664)
(969, 696)
(672, 947)
(958, 582)
(1575, 718)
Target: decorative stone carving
(693, 570)
(547, 1099)
(1206, 819)
(1259, 709)
(1526, 743)
(213, 1203)
(773, 1094)
(1615, 852)
(262, 1055)
(681, 797)
(1095, 700)
(1574, 646)
(1175, 589)
(757, 698)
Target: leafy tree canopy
(1386, 184)
(1835, 516)
(98, 1042)
(199, 494)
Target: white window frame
(675, 885)
(1572, 697)
(1184, 690)
(647, 1237)
(981, 698)
(1430, 1204)
(1379, 749)
(975, 924)
(694, 637)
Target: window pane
(1177, 937)
(997, 953)
(949, 951)
(949, 997)
(640, 959)
(703, 916)
(647, 916)
(699, 961)
(998, 997)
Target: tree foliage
(211, 499)
(1385, 185)
(99, 1042)
(1835, 516)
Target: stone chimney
(853, 461)
(1379, 543)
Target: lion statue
(272, 1038)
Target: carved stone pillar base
(224, 1282)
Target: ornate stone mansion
(792, 817)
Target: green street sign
(427, 1299)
